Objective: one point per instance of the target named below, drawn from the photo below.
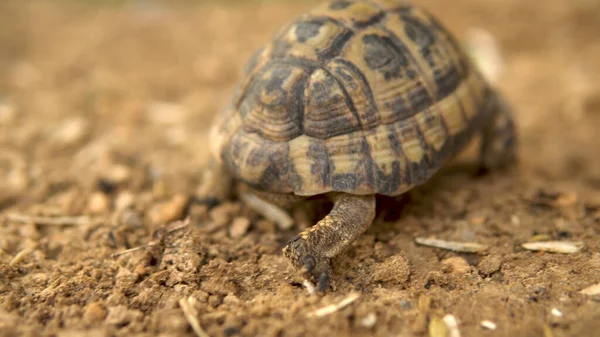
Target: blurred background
(83, 76)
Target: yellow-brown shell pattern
(363, 97)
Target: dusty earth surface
(104, 109)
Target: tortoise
(353, 99)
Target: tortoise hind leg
(216, 185)
(499, 141)
(311, 251)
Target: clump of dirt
(104, 110)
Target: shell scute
(356, 96)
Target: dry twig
(268, 210)
(330, 309)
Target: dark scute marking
(297, 103)
(380, 55)
(401, 108)
(420, 99)
(363, 79)
(446, 81)
(422, 35)
(346, 182)
(394, 141)
(274, 85)
(375, 19)
(346, 97)
(336, 46)
(337, 5)
(368, 163)
(347, 78)
(278, 168)
(387, 184)
(307, 29)
(321, 164)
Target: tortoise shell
(362, 97)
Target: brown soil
(103, 116)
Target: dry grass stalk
(53, 220)
(160, 236)
(20, 256)
(188, 305)
(330, 309)
(464, 247)
(564, 247)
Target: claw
(309, 263)
(323, 282)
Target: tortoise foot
(309, 263)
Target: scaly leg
(311, 251)
(499, 141)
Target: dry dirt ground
(104, 109)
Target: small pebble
(168, 211)
(591, 290)
(488, 325)
(98, 203)
(369, 321)
(239, 227)
(489, 265)
(556, 312)
(71, 132)
(94, 312)
(456, 265)
(124, 200)
(7, 113)
(121, 315)
(118, 174)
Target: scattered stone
(239, 227)
(591, 290)
(71, 131)
(124, 200)
(369, 321)
(7, 113)
(94, 312)
(118, 174)
(120, 315)
(557, 313)
(393, 269)
(456, 265)
(126, 278)
(98, 203)
(488, 325)
(489, 264)
(169, 211)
